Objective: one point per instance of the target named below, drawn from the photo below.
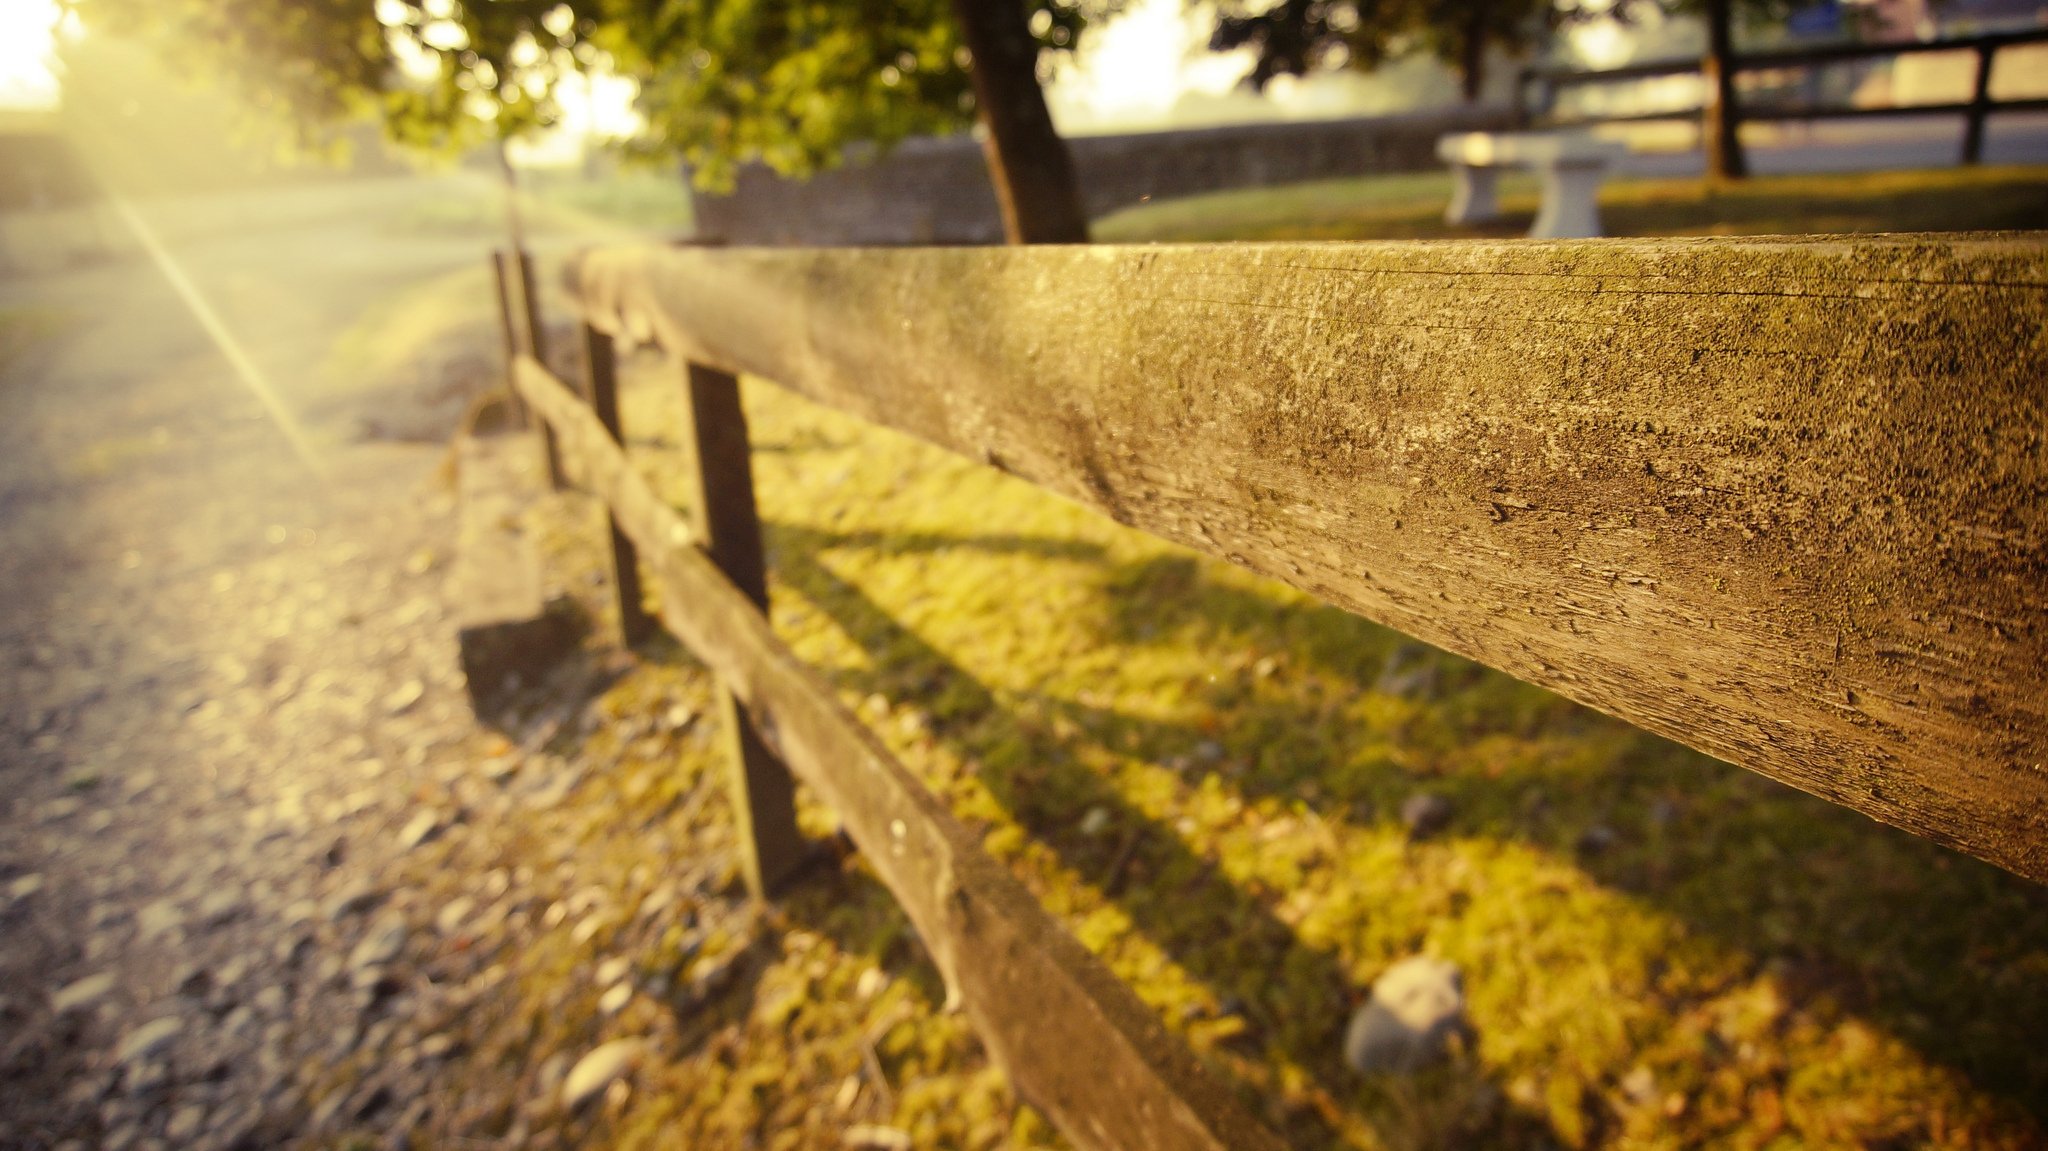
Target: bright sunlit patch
(27, 31)
(231, 349)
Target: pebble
(185, 1125)
(382, 945)
(873, 1137)
(1414, 1009)
(405, 697)
(614, 1001)
(422, 828)
(613, 970)
(1095, 821)
(454, 915)
(220, 906)
(600, 1069)
(159, 918)
(1595, 840)
(24, 886)
(1425, 813)
(358, 896)
(147, 1040)
(82, 994)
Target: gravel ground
(264, 880)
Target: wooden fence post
(506, 331)
(533, 342)
(762, 792)
(1980, 106)
(601, 382)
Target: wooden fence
(1782, 500)
(1548, 81)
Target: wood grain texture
(1781, 500)
(1071, 1036)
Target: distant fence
(935, 190)
(1785, 501)
(1546, 82)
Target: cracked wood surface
(1781, 500)
(1073, 1038)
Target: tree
(722, 82)
(1299, 36)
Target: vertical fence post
(505, 329)
(601, 382)
(763, 794)
(533, 343)
(1980, 106)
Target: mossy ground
(1200, 772)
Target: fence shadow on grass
(1045, 786)
(1851, 916)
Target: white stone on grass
(600, 1069)
(1415, 1008)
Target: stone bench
(1571, 167)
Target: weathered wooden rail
(1782, 500)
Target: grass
(1411, 207)
(1200, 772)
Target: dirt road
(221, 665)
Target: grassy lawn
(1201, 772)
(1410, 206)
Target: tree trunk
(1472, 57)
(1027, 161)
(1721, 128)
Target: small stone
(357, 896)
(58, 810)
(874, 1137)
(1425, 813)
(454, 915)
(24, 886)
(614, 1001)
(148, 1040)
(613, 970)
(599, 1070)
(437, 1046)
(1596, 840)
(1095, 821)
(84, 993)
(1415, 1008)
(422, 828)
(193, 979)
(220, 906)
(1640, 1085)
(382, 945)
(871, 983)
(187, 1123)
(159, 918)
(405, 698)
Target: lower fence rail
(1074, 1040)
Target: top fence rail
(1782, 500)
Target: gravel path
(225, 680)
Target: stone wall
(935, 190)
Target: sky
(26, 27)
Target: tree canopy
(788, 82)
(1295, 37)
